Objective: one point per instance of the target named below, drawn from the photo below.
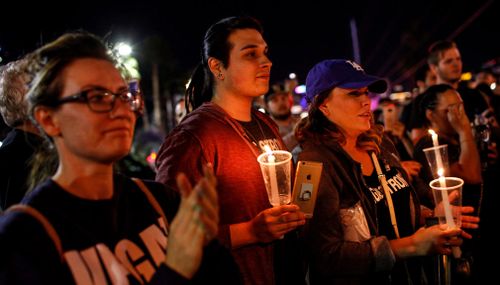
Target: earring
(220, 76)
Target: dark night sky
(392, 38)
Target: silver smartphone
(305, 186)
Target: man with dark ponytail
(221, 128)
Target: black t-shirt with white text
(400, 191)
(121, 240)
(400, 194)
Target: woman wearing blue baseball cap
(364, 227)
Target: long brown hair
(317, 127)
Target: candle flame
(435, 140)
(440, 172)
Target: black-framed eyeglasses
(101, 100)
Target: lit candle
(275, 197)
(444, 194)
(448, 216)
(439, 160)
(434, 136)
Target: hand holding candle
(445, 198)
(435, 158)
(442, 180)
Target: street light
(123, 49)
(127, 62)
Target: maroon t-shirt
(209, 134)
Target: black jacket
(332, 259)
(15, 156)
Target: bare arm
(468, 166)
(194, 225)
(426, 241)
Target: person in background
(485, 80)
(18, 147)
(279, 107)
(87, 225)
(357, 234)
(393, 128)
(424, 78)
(223, 129)
(443, 111)
(445, 61)
(487, 136)
(180, 110)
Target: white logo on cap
(355, 65)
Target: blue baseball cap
(342, 73)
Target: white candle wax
(434, 136)
(439, 160)
(444, 194)
(448, 215)
(275, 196)
(447, 207)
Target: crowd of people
(71, 216)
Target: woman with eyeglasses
(86, 224)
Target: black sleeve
(217, 266)
(405, 116)
(419, 184)
(417, 115)
(27, 254)
(423, 191)
(289, 259)
(419, 156)
(166, 275)
(474, 102)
